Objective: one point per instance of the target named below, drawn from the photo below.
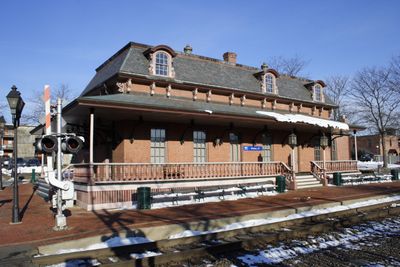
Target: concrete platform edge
(164, 231)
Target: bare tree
(375, 101)
(337, 90)
(395, 73)
(36, 114)
(292, 66)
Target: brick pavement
(38, 221)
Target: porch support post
(91, 139)
(294, 182)
(355, 145)
(324, 168)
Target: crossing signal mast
(58, 144)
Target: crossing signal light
(47, 144)
(69, 144)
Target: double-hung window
(157, 146)
(269, 83)
(162, 64)
(266, 148)
(317, 152)
(199, 146)
(235, 147)
(318, 93)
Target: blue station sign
(252, 148)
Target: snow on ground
(256, 222)
(373, 165)
(115, 241)
(271, 254)
(228, 197)
(22, 170)
(274, 254)
(350, 238)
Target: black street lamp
(292, 140)
(2, 125)
(16, 106)
(323, 141)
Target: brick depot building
(153, 116)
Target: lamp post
(323, 142)
(2, 124)
(292, 141)
(16, 106)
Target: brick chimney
(230, 57)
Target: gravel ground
(381, 251)
(370, 244)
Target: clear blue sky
(54, 42)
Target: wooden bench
(175, 195)
(260, 187)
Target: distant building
(26, 141)
(371, 144)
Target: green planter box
(143, 198)
(337, 178)
(395, 174)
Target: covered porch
(117, 159)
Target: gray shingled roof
(198, 70)
(177, 104)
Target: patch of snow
(22, 170)
(109, 243)
(145, 254)
(227, 197)
(77, 263)
(296, 118)
(374, 165)
(257, 222)
(349, 238)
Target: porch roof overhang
(131, 106)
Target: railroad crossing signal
(70, 144)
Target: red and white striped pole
(47, 117)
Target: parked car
(366, 157)
(6, 161)
(20, 163)
(33, 163)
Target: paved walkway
(38, 221)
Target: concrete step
(308, 186)
(308, 183)
(305, 179)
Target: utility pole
(61, 221)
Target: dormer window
(267, 79)
(318, 93)
(269, 83)
(161, 60)
(162, 64)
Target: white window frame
(199, 146)
(169, 65)
(319, 88)
(235, 147)
(267, 152)
(269, 87)
(158, 146)
(334, 152)
(317, 152)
